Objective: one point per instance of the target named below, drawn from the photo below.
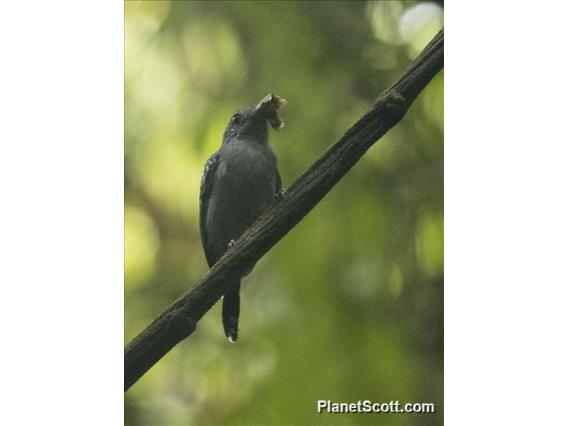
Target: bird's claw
(280, 194)
(231, 244)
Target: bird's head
(252, 122)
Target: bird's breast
(244, 186)
(248, 171)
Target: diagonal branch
(179, 320)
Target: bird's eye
(236, 118)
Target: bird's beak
(269, 107)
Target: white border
(61, 223)
(506, 213)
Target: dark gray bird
(239, 181)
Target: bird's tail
(231, 309)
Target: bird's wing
(205, 194)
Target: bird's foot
(280, 194)
(231, 244)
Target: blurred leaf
(141, 243)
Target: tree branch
(179, 320)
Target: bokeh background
(349, 305)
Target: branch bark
(179, 320)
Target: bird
(239, 182)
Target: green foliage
(349, 305)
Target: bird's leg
(280, 194)
(231, 244)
